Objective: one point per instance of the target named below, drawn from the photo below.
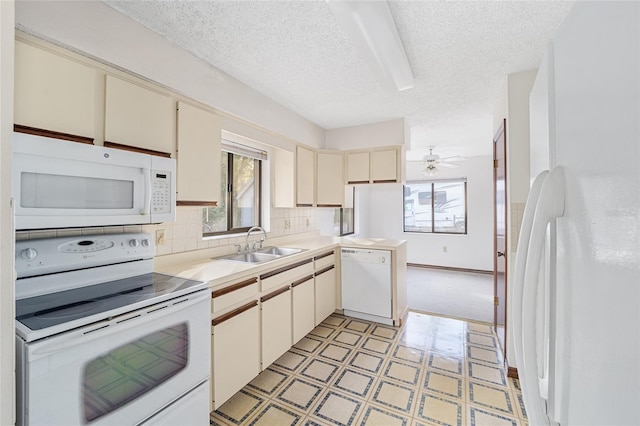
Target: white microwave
(61, 184)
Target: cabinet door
(358, 167)
(303, 307)
(325, 283)
(236, 351)
(139, 117)
(330, 181)
(283, 178)
(199, 137)
(384, 166)
(53, 92)
(276, 325)
(305, 177)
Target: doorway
(500, 234)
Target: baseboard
(450, 268)
(512, 372)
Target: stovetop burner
(41, 312)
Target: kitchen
(256, 113)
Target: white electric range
(102, 339)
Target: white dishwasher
(366, 284)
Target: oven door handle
(117, 324)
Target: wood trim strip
(115, 145)
(301, 281)
(275, 293)
(304, 205)
(512, 372)
(385, 181)
(329, 205)
(328, 268)
(234, 313)
(197, 203)
(234, 287)
(327, 254)
(450, 268)
(284, 269)
(52, 134)
(356, 182)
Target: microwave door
(55, 192)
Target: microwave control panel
(161, 193)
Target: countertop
(201, 264)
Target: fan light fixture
(373, 31)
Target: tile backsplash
(185, 234)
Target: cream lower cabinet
(303, 305)
(276, 324)
(235, 340)
(325, 293)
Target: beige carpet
(462, 295)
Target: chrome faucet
(261, 241)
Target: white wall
(7, 330)
(384, 133)
(381, 215)
(94, 29)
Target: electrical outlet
(160, 237)
(444, 249)
(287, 224)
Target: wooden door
(500, 234)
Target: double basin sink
(262, 255)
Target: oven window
(40, 190)
(131, 370)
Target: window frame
(229, 197)
(432, 183)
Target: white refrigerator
(576, 291)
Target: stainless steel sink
(262, 255)
(280, 251)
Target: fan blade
(448, 165)
(455, 158)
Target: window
(436, 206)
(343, 218)
(240, 207)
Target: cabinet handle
(108, 144)
(304, 205)
(234, 313)
(284, 269)
(301, 281)
(324, 255)
(356, 182)
(324, 270)
(232, 288)
(329, 205)
(51, 134)
(274, 294)
(385, 181)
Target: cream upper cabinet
(357, 167)
(53, 92)
(283, 173)
(384, 166)
(199, 138)
(305, 177)
(330, 180)
(140, 117)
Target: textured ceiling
(297, 54)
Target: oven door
(119, 371)
(59, 184)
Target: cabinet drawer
(286, 275)
(234, 293)
(324, 260)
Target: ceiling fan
(433, 161)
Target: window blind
(247, 151)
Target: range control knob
(146, 243)
(29, 254)
(133, 243)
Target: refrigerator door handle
(550, 206)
